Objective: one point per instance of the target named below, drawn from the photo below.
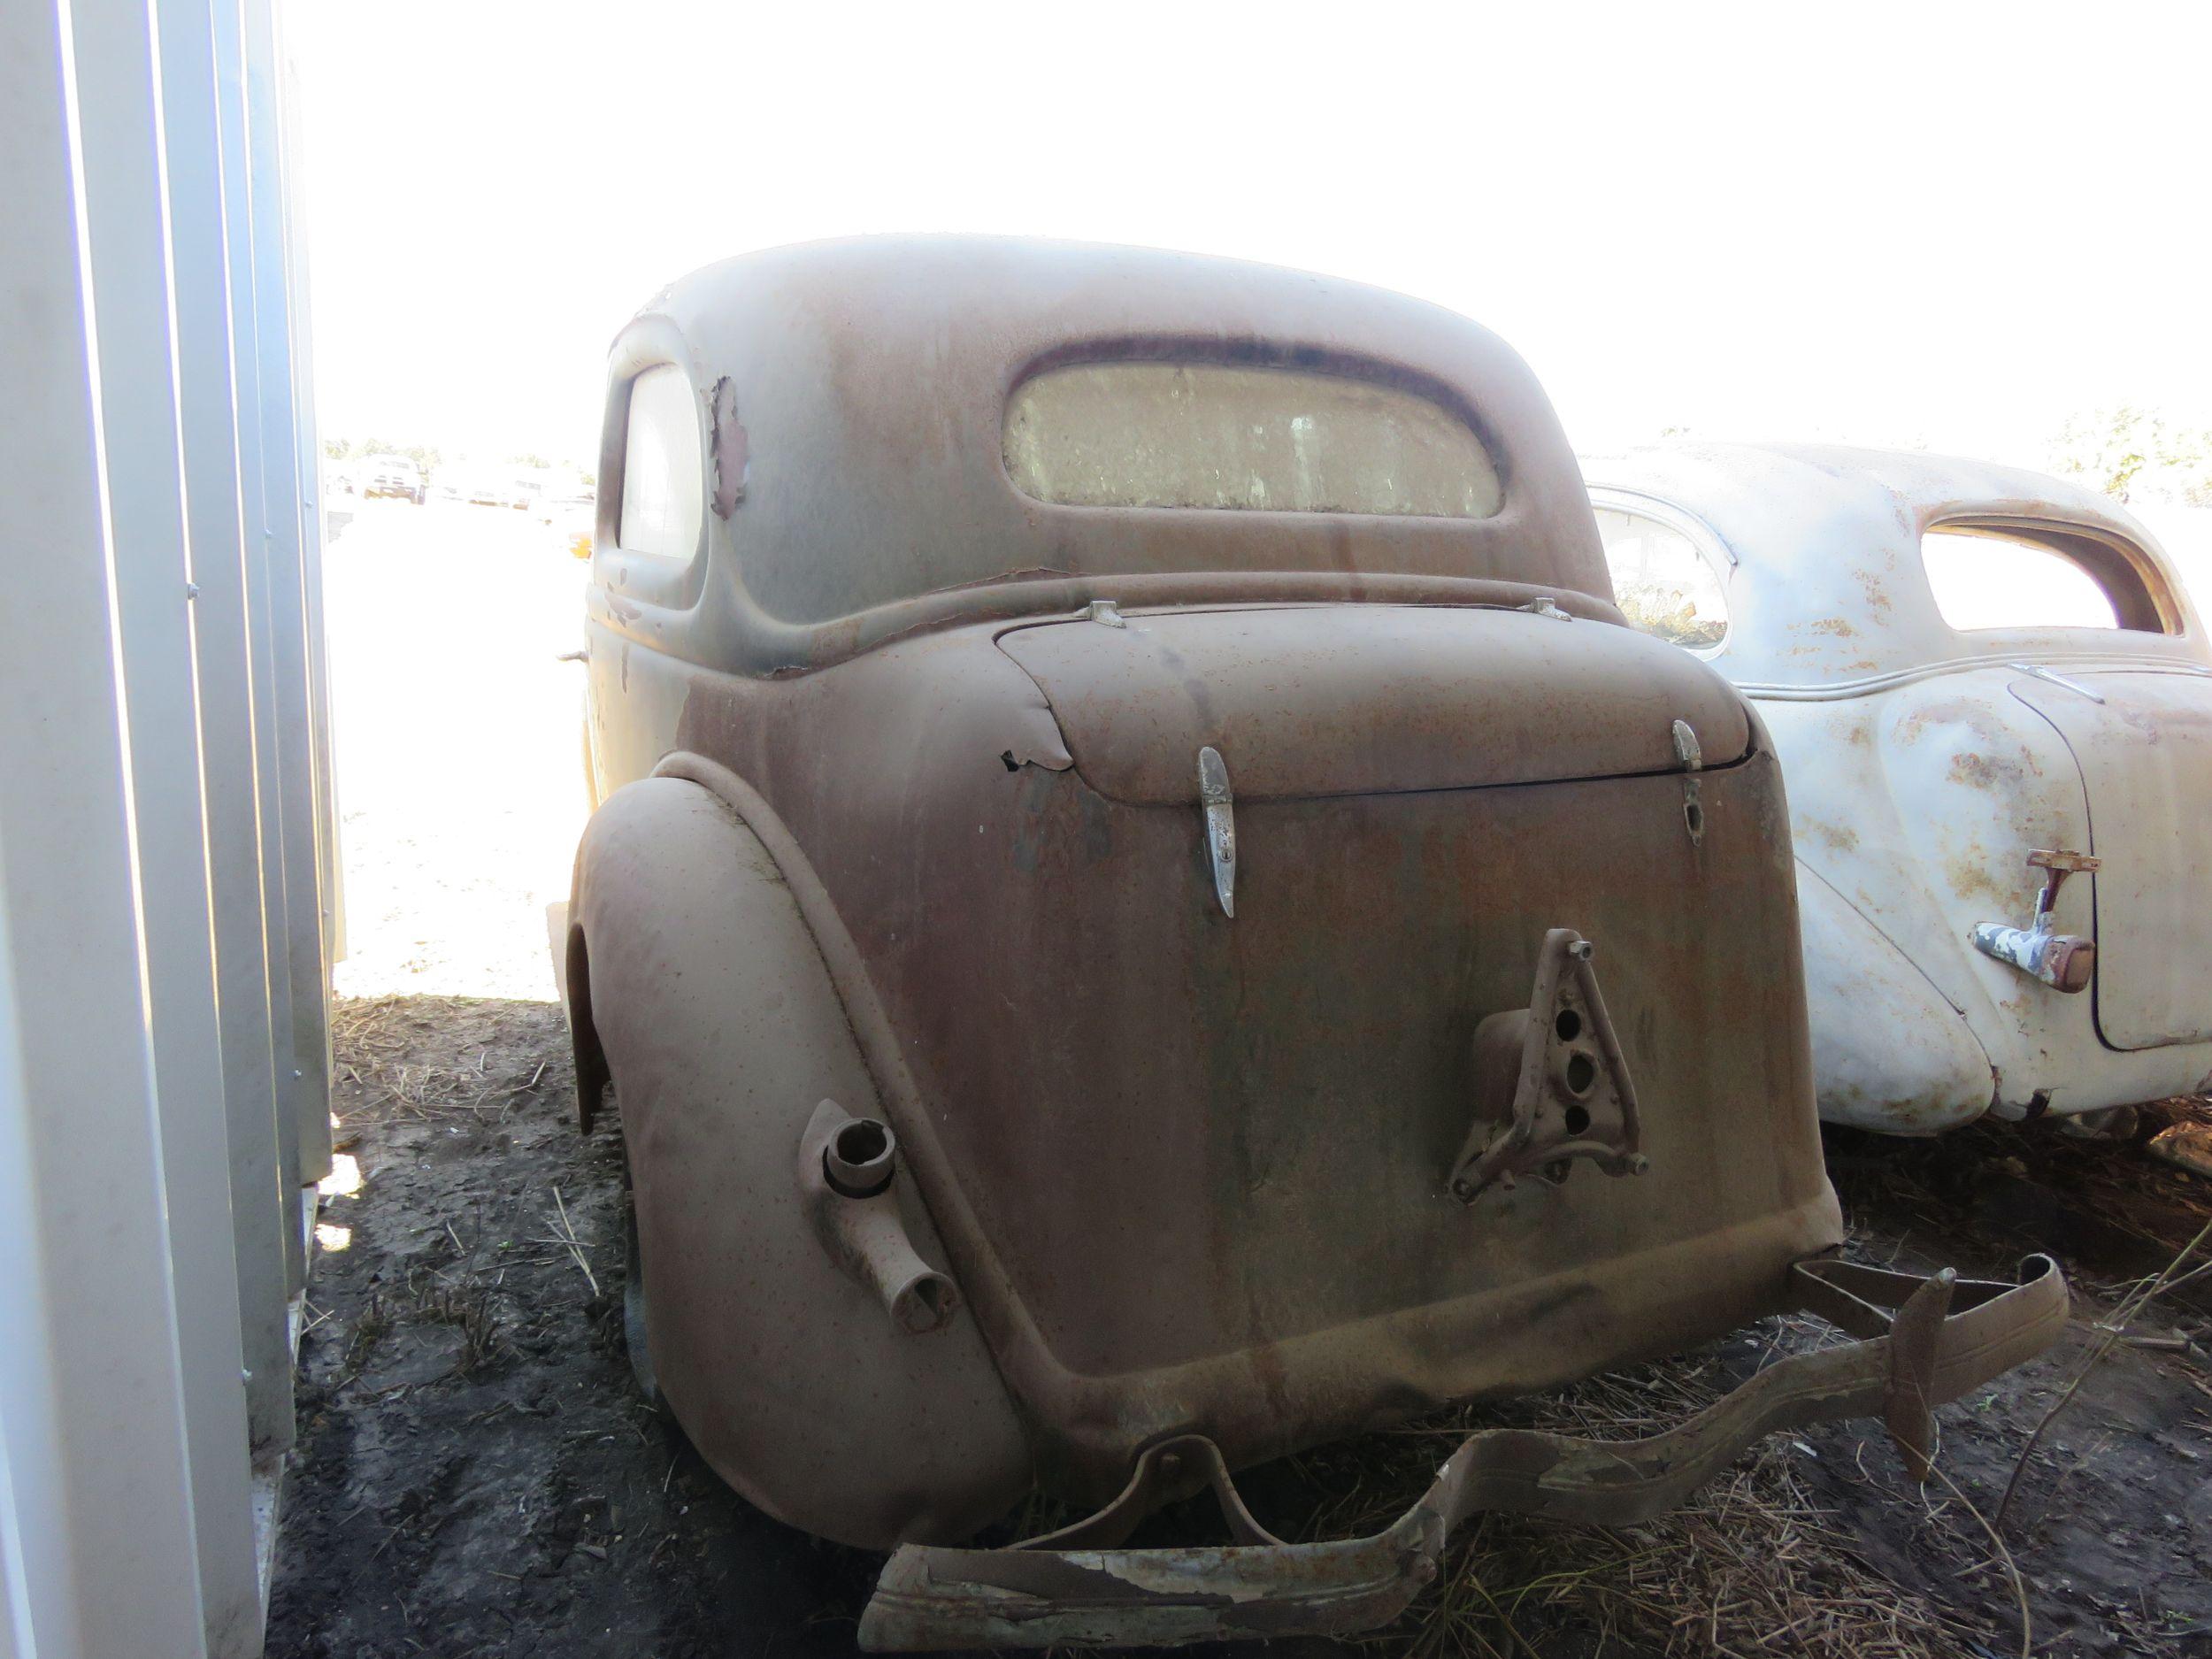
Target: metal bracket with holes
(1551, 1086)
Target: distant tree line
(2137, 455)
(352, 449)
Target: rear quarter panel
(1918, 806)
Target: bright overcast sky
(1913, 226)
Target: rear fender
(695, 982)
(1889, 1053)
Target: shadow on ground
(476, 1474)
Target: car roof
(857, 391)
(1820, 545)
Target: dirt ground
(477, 1475)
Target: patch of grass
(466, 1306)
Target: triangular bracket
(1559, 1065)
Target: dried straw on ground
(1751, 1565)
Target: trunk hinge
(1221, 826)
(1691, 759)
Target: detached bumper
(1925, 1341)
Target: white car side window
(664, 490)
(1660, 582)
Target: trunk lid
(1193, 1170)
(1317, 700)
(2144, 754)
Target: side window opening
(1994, 576)
(664, 490)
(1663, 584)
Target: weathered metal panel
(2145, 751)
(1215, 939)
(1177, 1121)
(1925, 766)
(1372, 699)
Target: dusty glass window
(664, 493)
(1985, 581)
(1660, 582)
(1225, 435)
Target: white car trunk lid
(2145, 752)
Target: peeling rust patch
(733, 450)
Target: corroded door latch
(1550, 1084)
(2062, 961)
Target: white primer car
(1993, 702)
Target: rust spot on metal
(1837, 837)
(1969, 876)
(1985, 771)
(733, 450)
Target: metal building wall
(167, 855)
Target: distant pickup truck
(393, 475)
(490, 487)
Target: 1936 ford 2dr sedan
(1993, 702)
(1146, 913)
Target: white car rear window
(1985, 581)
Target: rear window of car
(1994, 576)
(1985, 581)
(1230, 436)
(1663, 584)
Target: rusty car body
(1992, 701)
(1144, 912)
